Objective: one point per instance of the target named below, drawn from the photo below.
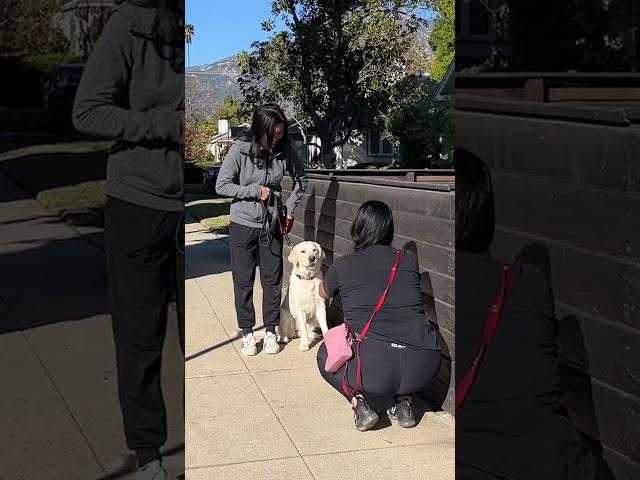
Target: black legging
(387, 371)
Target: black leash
(266, 221)
(279, 210)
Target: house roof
(447, 84)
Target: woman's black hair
(167, 31)
(265, 117)
(475, 210)
(373, 225)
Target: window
(379, 146)
(473, 19)
(479, 19)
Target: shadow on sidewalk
(217, 345)
(53, 286)
(207, 257)
(66, 281)
(130, 464)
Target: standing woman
(251, 173)
(132, 91)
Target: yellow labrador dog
(303, 307)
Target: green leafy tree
(26, 28)
(334, 65)
(420, 126)
(581, 35)
(443, 37)
(231, 110)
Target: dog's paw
(314, 336)
(304, 347)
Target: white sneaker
(270, 343)
(248, 346)
(152, 471)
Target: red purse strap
(490, 325)
(345, 382)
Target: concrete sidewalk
(273, 416)
(59, 411)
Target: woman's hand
(264, 192)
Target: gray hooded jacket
(241, 177)
(135, 96)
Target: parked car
(210, 176)
(61, 86)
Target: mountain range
(206, 86)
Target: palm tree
(188, 36)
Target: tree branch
(306, 74)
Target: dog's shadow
(283, 345)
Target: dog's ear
(321, 252)
(293, 256)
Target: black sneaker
(365, 417)
(403, 413)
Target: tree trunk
(326, 156)
(326, 150)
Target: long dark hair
(475, 209)
(265, 117)
(167, 31)
(373, 225)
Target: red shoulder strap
(383, 297)
(490, 325)
(345, 383)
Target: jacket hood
(141, 15)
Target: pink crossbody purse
(338, 340)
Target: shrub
(194, 171)
(24, 85)
(197, 137)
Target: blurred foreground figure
(132, 91)
(513, 422)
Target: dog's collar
(304, 278)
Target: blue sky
(223, 28)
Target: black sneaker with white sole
(365, 417)
(402, 412)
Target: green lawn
(66, 177)
(205, 206)
(81, 204)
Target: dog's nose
(312, 259)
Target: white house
(81, 22)
(219, 144)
